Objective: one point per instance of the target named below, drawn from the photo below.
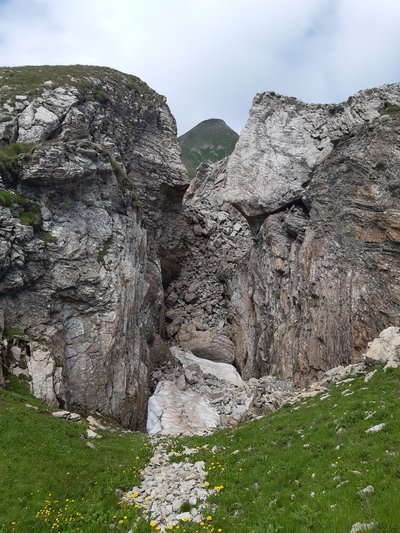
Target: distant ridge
(209, 141)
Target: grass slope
(299, 469)
(209, 141)
(296, 470)
(51, 481)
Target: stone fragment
(95, 423)
(369, 376)
(220, 370)
(61, 414)
(75, 417)
(366, 491)
(92, 434)
(363, 526)
(207, 345)
(375, 429)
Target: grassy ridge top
(209, 141)
(27, 80)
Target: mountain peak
(209, 141)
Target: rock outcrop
(283, 258)
(385, 349)
(294, 254)
(84, 220)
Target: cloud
(210, 57)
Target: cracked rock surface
(81, 282)
(294, 254)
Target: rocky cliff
(295, 260)
(91, 177)
(281, 259)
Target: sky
(210, 57)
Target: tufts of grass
(101, 96)
(10, 156)
(29, 213)
(11, 333)
(392, 111)
(126, 182)
(47, 237)
(51, 481)
(103, 252)
(300, 469)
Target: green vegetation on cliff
(209, 141)
(29, 212)
(10, 156)
(91, 81)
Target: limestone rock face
(298, 232)
(84, 219)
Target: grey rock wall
(298, 232)
(283, 259)
(84, 284)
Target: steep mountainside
(82, 149)
(295, 260)
(282, 258)
(208, 142)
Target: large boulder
(207, 344)
(385, 350)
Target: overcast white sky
(210, 57)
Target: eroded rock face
(298, 230)
(284, 259)
(83, 280)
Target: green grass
(11, 333)
(10, 156)
(47, 237)
(126, 182)
(296, 470)
(29, 213)
(392, 111)
(103, 252)
(49, 477)
(209, 141)
(285, 457)
(101, 96)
